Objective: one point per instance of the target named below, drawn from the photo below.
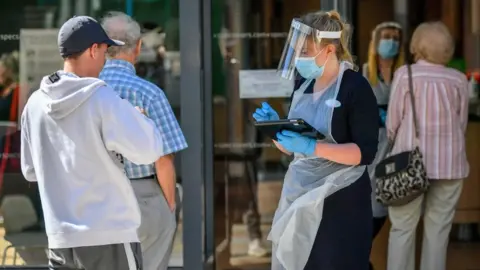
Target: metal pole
(475, 19)
(65, 12)
(192, 119)
(129, 7)
(80, 7)
(95, 6)
(208, 134)
(327, 5)
(344, 7)
(401, 15)
(401, 8)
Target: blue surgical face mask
(388, 48)
(308, 68)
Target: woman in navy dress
(324, 217)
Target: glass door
(247, 41)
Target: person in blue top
(154, 184)
(385, 56)
(324, 216)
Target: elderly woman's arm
(363, 126)
(397, 102)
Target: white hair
(120, 26)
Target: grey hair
(120, 26)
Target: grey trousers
(251, 218)
(108, 257)
(158, 225)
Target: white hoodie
(71, 133)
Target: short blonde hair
(433, 43)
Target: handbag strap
(412, 100)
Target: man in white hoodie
(75, 133)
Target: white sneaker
(178, 201)
(256, 248)
(179, 189)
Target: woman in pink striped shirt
(441, 100)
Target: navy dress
(344, 237)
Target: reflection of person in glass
(9, 87)
(385, 55)
(9, 92)
(150, 62)
(324, 217)
(10, 184)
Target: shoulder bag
(401, 178)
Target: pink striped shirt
(441, 100)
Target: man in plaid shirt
(153, 184)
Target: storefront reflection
(248, 170)
(22, 215)
(20, 201)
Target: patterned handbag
(401, 178)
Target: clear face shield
(302, 46)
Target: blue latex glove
(265, 113)
(296, 143)
(383, 115)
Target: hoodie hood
(68, 93)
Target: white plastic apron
(381, 90)
(384, 146)
(308, 181)
(382, 93)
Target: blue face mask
(388, 48)
(308, 68)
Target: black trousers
(344, 237)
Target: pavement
(461, 256)
(268, 193)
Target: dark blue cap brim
(114, 42)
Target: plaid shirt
(120, 75)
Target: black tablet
(272, 127)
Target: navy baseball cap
(80, 33)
